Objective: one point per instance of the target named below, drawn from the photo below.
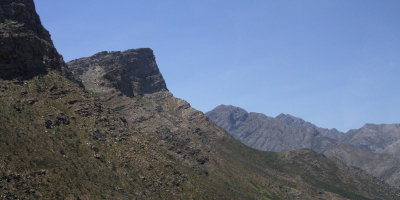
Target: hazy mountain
(124, 136)
(286, 132)
(250, 129)
(382, 138)
(379, 138)
(298, 122)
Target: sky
(335, 63)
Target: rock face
(357, 148)
(26, 49)
(133, 72)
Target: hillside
(286, 132)
(153, 113)
(106, 127)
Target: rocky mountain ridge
(298, 122)
(286, 132)
(59, 140)
(132, 73)
(379, 138)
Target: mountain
(163, 118)
(382, 138)
(378, 138)
(286, 132)
(106, 127)
(298, 122)
(132, 73)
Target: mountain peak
(133, 72)
(287, 116)
(229, 107)
(291, 120)
(26, 48)
(22, 12)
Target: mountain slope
(133, 139)
(286, 132)
(191, 138)
(382, 138)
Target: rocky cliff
(132, 73)
(26, 48)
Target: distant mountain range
(374, 148)
(106, 127)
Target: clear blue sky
(334, 63)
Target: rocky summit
(114, 131)
(132, 72)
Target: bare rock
(30, 101)
(57, 120)
(133, 72)
(26, 49)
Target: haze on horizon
(333, 63)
